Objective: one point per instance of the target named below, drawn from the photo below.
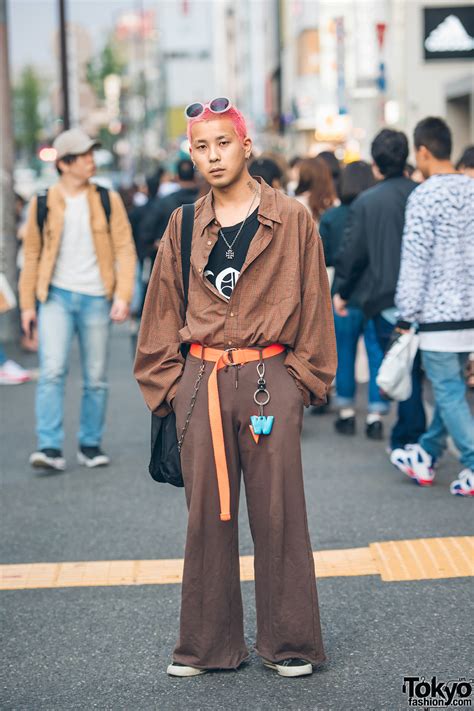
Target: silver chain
(240, 228)
(192, 403)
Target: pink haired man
(260, 329)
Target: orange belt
(232, 356)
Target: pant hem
(315, 660)
(191, 663)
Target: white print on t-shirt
(225, 280)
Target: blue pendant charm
(262, 425)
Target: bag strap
(42, 206)
(105, 200)
(186, 240)
(41, 210)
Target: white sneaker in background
(13, 374)
(464, 484)
(415, 463)
(48, 458)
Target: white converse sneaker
(415, 463)
(290, 667)
(464, 484)
(177, 669)
(48, 458)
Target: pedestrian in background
(335, 168)
(371, 249)
(293, 175)
(436, 291)
(315, 189)
(351, 324)
(465, 164)
(155, 220)
(80, 266)
(269, 170)
(145, 252)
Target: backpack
(165, 463)
(42, 206)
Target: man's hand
(28, 321)
(339, 305)
(119, 311)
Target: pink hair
(235, 116)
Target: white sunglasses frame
(207, 106)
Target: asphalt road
(108, 647)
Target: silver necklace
(230, 254)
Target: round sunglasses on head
(217, 106)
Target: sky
(32, 24)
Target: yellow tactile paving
(348, 561)
(425, 558)
(418, 559)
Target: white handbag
(395, 374)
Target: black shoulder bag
(165, 463)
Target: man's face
(218, 152)
(82, 168)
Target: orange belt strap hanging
(222, 359)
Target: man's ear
(247, 144)
(425, 154)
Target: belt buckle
(228, 358)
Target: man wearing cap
(79, 265)
(261, 335)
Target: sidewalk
(107, 646)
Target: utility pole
(64, 65)
(8, 322)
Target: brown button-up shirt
(282, 296)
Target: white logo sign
(449, 36)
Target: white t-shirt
(76, 265)
(461, 341)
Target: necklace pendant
(230, 253)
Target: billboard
(449, 32)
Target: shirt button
(209, 242)
(215, 222)
(229, 343)
(231, 313)
(200, 270)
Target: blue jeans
(348, 330)
(452, 415)
(3, 356)
(60, 317)
(411, 421)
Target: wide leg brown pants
(211, 629)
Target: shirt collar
(267, 209)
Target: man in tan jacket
(260, 325)
(79, 265)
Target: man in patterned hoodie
(436, 290)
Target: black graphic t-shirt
(222, 272)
